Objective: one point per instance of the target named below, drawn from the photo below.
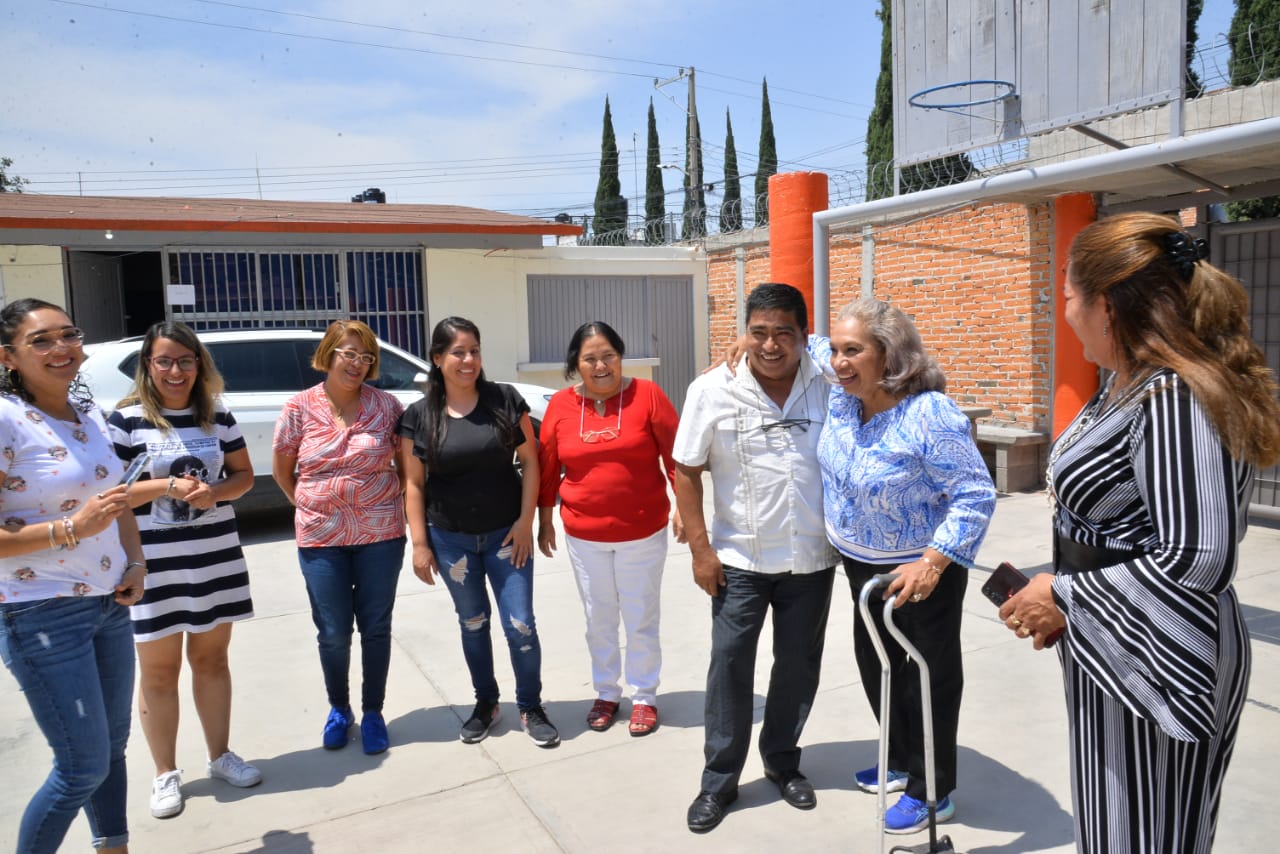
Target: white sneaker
(234, 770)
(166, 794)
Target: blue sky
(432, 102)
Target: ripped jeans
(465, 560)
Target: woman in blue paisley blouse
(905, 491)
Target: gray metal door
(653, 314)
(1250, 251)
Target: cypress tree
(768, 164)
(1194, 87)
(731, 207)
(1255, 56)
(880, 122)
(951, 169)
(655, 195)
(610, 225)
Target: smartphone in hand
(136, 468)
(1006, 581)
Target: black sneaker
(535, 722)
(483, 717)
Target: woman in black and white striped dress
(198, 583)
(1152, 482)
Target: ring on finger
(1017, 624)
(916, 597)
(1022, 633)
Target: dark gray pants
(800, 605)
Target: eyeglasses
(802, 424)
(71, 338)
(164, 363)
(355, 356)
(592, 437)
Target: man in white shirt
(756, 429)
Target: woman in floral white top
(335, 444)
(70, 565)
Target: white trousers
(621, 580)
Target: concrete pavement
(608, 791)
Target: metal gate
(1250, 251)
(653, 314)
(305, 289)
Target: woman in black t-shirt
(471, 518)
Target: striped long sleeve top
(1151, 475)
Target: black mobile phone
(1003, 583)
(1006, 581)
(135, 469)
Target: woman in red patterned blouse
(335, 444)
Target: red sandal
(644, 719)
(600, 718)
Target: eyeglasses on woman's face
(46, 342)
(185, 364)
(356, 356)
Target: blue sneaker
(868, 780)
(373, 733)
(336, 726)
(909, 815)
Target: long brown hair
(1171, 309)
(205, 390)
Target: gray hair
(908, 369)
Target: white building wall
(490, 290)
(32, 271)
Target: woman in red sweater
(606, 450)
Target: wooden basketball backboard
(1045, 64)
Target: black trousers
(800, 604)
(933, 625)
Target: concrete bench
(1016, 457)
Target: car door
(260, 376)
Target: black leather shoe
(795, 787)
(707, 810)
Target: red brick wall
(977, 282)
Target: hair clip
(1184, 251)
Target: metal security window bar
(308, 290)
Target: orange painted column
(1074, 378)
(794, 197)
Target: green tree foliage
(1255, 56)
(731, 207)
(1255, 41)
(655, 195)
(768, 165)
(610, 224)
(9, 183)
(1194, 85)
(880, 122)
(942, 172)
(694, 219)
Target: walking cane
(934, 845)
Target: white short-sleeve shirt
(765, 478)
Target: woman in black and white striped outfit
(198, 583)
(1152, 483)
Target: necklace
(1106, 400)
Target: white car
(263, 368)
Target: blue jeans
(73, 658)
(346, 585)
(465, 560)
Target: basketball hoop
(1000, 90)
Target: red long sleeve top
(611, 490)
